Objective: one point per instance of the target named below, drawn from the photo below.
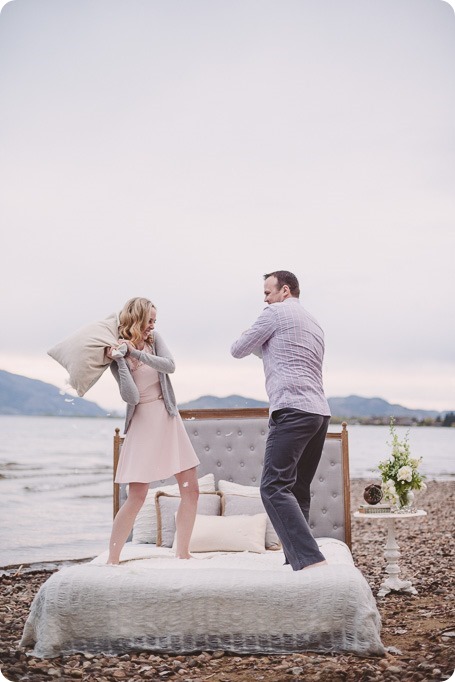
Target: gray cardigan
(161, 360)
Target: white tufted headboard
(231, 443)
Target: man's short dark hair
(285, 277)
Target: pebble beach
(418, 631)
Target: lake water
(56, 480)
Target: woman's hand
(109, 352)
(119, 351)
(129, 345)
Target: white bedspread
(244, 603)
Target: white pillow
(237, 489)
(228, 534)
(145, 525)
(83, 353)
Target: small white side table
(392, 550)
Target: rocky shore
(418, 631)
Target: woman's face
(150, 326)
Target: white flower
(415, 462)
(405, 474)
(390, 492)
(389, 488)
(423, 486)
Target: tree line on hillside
(448, 420)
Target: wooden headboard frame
(251, 413)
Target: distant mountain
(23, 396)
(349, 407)
(356, 406)
(206, 402)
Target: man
(291, 344)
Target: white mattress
(239, 602)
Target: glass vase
(405, 501)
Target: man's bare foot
(319, 563)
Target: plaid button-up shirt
(291, 344)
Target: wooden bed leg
(346, 484)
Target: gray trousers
(292, 454)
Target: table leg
(392, 554)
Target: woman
(156, 444)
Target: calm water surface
(56, 480)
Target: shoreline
(417, 631)
(41, 566)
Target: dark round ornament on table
(372, 493)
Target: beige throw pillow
(83, 353)
(229, 534)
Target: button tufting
(258, 437)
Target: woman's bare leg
(124, 519)
(186, 513)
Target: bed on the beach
(236, 595)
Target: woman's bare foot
(184, 556)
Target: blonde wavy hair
(133, 319)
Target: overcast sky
(180, 149)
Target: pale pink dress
(156, 445)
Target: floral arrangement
(399, 473)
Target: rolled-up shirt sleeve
(254, 338)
